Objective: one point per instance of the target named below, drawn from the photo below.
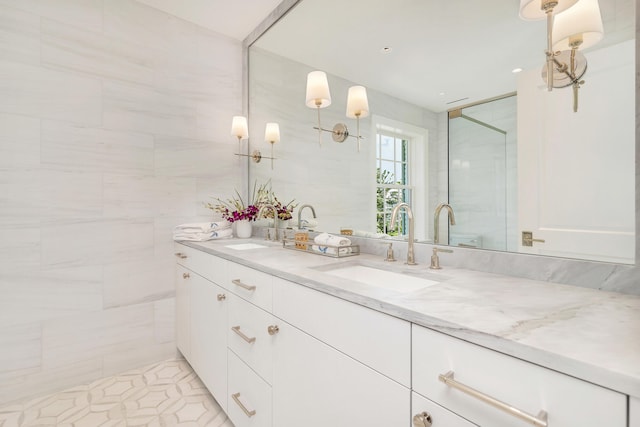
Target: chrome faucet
(313, 211)
(410, 254)
(436, 220)
(267, 206)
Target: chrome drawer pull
(242, 285)
(180, 255)
(540, 420)
(247, 412)
(222, 297)
(185, 275)
(237, 330)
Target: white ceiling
(444, 53)
(233, 18)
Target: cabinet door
(315, 385)
(634, 412)
(183, 320)
(209, 336)
(423, 408)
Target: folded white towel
(326, 239)
(202, 227)
(202, 237)
(331, 250)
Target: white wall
(114, 127)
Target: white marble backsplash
(114, 128)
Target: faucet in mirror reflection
(410, 252)
(436, 220)
(303, 225)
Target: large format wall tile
(80, 13)
(19, 36)
(19, 142)
(44, 93)
(30, 296)
(114, 128)
(73, 147)
(66, 47)
(140, 109)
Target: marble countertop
(589, 334)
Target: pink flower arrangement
(235, 209)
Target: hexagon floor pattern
(165, 394)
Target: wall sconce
(576, 24)
(580, 27)
(272, 135)
(240, 130)
(529, 10)
(319, 96)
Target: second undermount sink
(380, 278)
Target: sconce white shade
(531, 10)
(357, 102)
(239, 127)
(272, 133)
(318, 94)
(582, 19)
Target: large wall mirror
(450, 122)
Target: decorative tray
(311, 247)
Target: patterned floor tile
(165, 394)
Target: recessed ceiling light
(516, 70)
(386, 49)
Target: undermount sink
(379, 278)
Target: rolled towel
(202, 227)
(203, 237)
(326, 239)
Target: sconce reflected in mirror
(576, 24)
(272, 135)
(319, 96)
(240, 130)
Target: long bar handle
(237, 330)
(540, 420)
(237, 282)
(247, 412)
(180, 255)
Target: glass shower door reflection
(478, 192)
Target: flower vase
(243, 229)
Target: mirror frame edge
(605, 276)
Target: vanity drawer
(250, 337)
(422, 407)
(527, 387)
(248, 395)
(252, 285)
(362, 333)
(206, 265)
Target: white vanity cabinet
(209, 308)
(634, 412)
(337, 363)
(475, 374)
(201, 317)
